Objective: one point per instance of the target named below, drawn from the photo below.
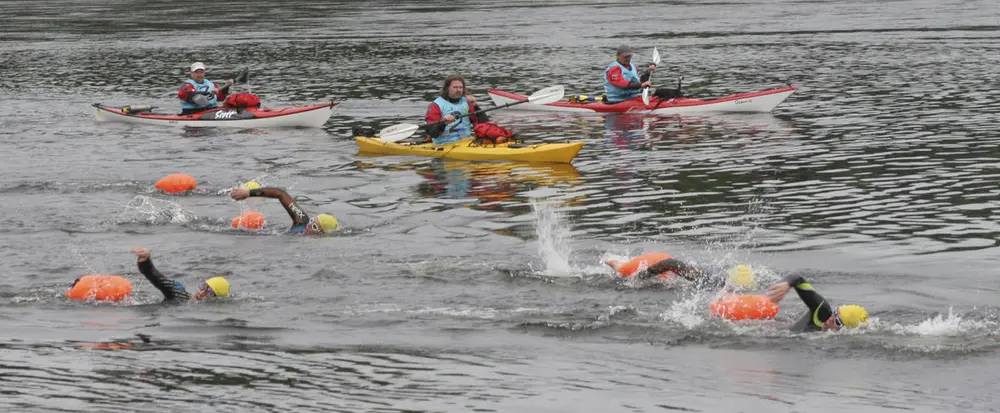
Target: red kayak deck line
(313, 116)
(758, 101)
(224, 113)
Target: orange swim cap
(100, 287)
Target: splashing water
(941, 325)
(553, 239)
(158, 211)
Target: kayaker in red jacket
(198, 94)
(452, 103)
(622, 80)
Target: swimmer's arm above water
(679, 267)
(298, 216)
(812, 299)
(169, 288)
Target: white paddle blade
(398, 132)
(645, 96)
(656, 57)
(551, 94)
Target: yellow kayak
(467, 150)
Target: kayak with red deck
(311, 116)
(750, 102)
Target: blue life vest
(205, 86)
(462, 127)
(617, 94)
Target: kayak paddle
(241, 77)
(396, 133)
(645, 90)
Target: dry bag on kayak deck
(492, 133)
(242, 101)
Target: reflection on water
(494, 185)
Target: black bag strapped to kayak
(242, 101)
(487, 132)
(362, 131)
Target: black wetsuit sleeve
(699, 276)
(171, 289)
(819, 308)
(299, 217)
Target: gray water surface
(459, 286)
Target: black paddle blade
(242, 76)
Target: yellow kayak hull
(466, 150)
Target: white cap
(198, 65)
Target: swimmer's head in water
(251, 185)
(741, 275)
(213, 287)
(321, 223)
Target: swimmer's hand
(778, 291)
(240, 194)
(141, 252)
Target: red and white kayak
(749, 102)
(312, 116)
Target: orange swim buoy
(744, 307)
(176, 183)
(100, 287)
(249, 219)
(630, 267)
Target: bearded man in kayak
(198, 94)
(623, 82)
(443, 113)
(821, 315)
(301, 223)
(173, 291)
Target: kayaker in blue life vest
(301, 223)
(198, 94)
(623, 82)
(452, 103)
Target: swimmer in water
(174, 291)
(821, 315)
(301, 223)
(702, 278)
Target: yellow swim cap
(327, 222)
(741, 275)
(219, 285)
(851, 315)
(251, 185)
